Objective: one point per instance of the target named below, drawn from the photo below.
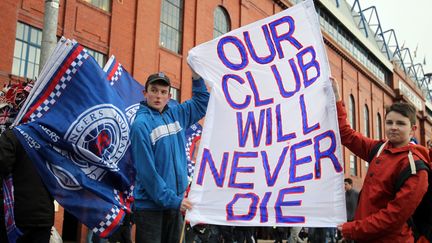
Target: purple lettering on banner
(243, 132)
(228, 98)
(251, 211)
(284, 93)
(329, 153)
(313, 63)
(235, 169)
(280, 136)
(306, 128)
(255, 57)
(263, 207)
(280, 218)
(241, 50)
(295, 162)
(258, 101)
(269, 130)
(207, 159)
(272, 177)
(277, 39)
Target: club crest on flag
(100, 136)
(131, 112)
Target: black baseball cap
(158, 77)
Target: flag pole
(182, 231)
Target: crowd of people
(378, 214)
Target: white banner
(270, 152)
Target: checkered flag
(193, 135)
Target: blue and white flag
(193, 135)
(125, 85)
(132, 94)
(75, 128)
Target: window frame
(96, 55)
(352, 113)
(165, 40)
(104, 5)
(366, 120)
(224, 20)
(378, 133)
(26, 45)
(353, 164)
(175, 94)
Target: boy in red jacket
(382, 212)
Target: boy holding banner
(158, 148)
(382, 214)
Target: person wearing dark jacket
(34, 206)
(351, 197)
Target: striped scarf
(13, 232)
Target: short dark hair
(349, 181)
(405, 109)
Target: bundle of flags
(75, 124)
(75, 128)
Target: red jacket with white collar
(382, 212)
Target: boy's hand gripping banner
(270, 151)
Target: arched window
(366, 121)
(171, 25)
(222, 23)
(378, 133)
(352, 118)
(351, 113)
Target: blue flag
(125, 85)
(193, 135)
(75, 128)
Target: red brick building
(151, 36)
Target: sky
(412, 22)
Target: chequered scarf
(8, 204)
